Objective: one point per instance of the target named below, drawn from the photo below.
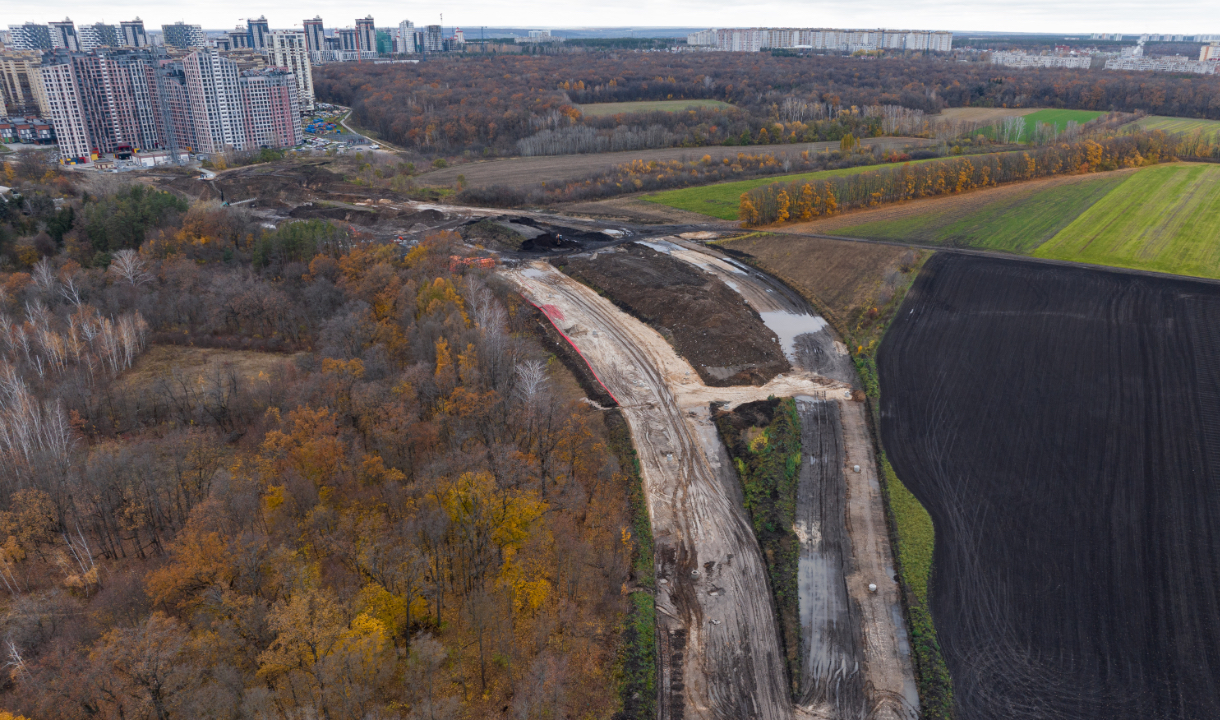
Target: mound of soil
(364, 218)
(705, 320)
(493, 234)
(279, 184)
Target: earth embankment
(721, 336)
(1060, 426)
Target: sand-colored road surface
(720, 647)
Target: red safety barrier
(547, 311)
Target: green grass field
(722, 200)
(1058, 118)
(603, 109)
(1018, 223)
(1186, 126)
(1164, 218)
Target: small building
(158, 157)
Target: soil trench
(712, 596)
(832, 672)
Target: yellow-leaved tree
(320, 661)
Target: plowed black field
(1062, 426)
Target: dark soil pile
(705, 320)
(493, 234)
(1061, 427)
(363, 218)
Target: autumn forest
(293, 473)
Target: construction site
(677, 334)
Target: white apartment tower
(66, 111)
(215, 99)
(404, 43)
(290, 50)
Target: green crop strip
(723, 200)
(1018, 223)
(916, 539)
(1163, 218)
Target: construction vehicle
(456, 261)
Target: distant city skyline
(1086, 16)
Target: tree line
(486, 104)
(803, 201)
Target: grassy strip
(1058, 118)
(1018, 223)
(724, 199)
(915, 542)
(604, 109)
(637, 664)
(1186, 126)
(768, 461)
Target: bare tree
(128, 266)
(1012, 128)
(531, 380)
(44, 276)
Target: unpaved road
(720, 647)
(841, 523)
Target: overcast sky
(1051, 16)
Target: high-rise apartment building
(21, 80)
(434, 39)
(63, 35)
(315, 35)
(131, 34)
(404, 42)
(215, 96)
(66, 111)
(181, 35)
(239, 38)
(348, 39)
(755, 39)
(257, 32)
(270, 110)
(290, 49)
(130, 100)
(366, 34)
(118, 90)
(98, 35)
(1210, 52)
(30, 36)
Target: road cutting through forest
(720, 649)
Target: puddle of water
(789, 325)
(660, 246)
(533, 273)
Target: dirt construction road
(720, 654)
(720, 647)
